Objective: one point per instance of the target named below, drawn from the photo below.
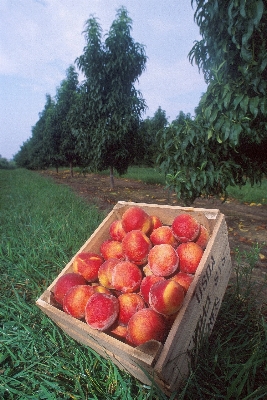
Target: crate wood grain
(165, 364)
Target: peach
(136, 218)
(185, 228)
(162, 235)
(101, 311)
(118, 331)
(155, 223)
(130, 303)
(190, 254)
(166, 297)
(126, 277)
(146, 284)
(105, 272)
(183, 279)
(101, 289)
(136, 246)
(87, 264)
(64, 283)
(203, 237)
(163, 260)
(116, 230)
(145, 325)
(112, 249)
(75, 300)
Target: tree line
(98, 123)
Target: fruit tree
(225, 144)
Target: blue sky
(40, 39)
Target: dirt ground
(247, 223)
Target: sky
(40, 39)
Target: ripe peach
(105, 272)
(145, 325)
(203, 237)
(183, 279)
(190, 254)
(163, 260)
(130, 303)
(116, 230)
(101, 289)
(126, 277)
(166, 297)
(162, 235)
(112, 249)
(75, 300)
(185, 228)
(65, 282)
(146, 284)
(155, 223)
(136, 246)
(87, 264)
(101, 311)
(118, 331)
(136, 218)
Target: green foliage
(149, 129)
(53, 141)
(226, 142)
(110, 104)
(5, 164)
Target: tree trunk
(71, 169)
(111, 177)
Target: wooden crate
(165, 364)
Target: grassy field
(42, 226)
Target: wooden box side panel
(199, 312)
(145, 355)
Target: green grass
(42, 226)
(248, 194)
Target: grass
(248, 194)
(42, 226)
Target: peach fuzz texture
(116, 230)
(203, 237)
(184, 279)
(185, 228)
(111, 249)
(130, 303)
(163, 235)
(105, 272)
(190, 254)
(75, 300)
(145, 325)
(163, 260)
(64, 283)
(136, 246)
(126, 277)
(166, 297)
(135, 218)
(87, 264)
(147, 283)
(101, 311)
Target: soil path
(247, 223)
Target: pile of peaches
(135, 287)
